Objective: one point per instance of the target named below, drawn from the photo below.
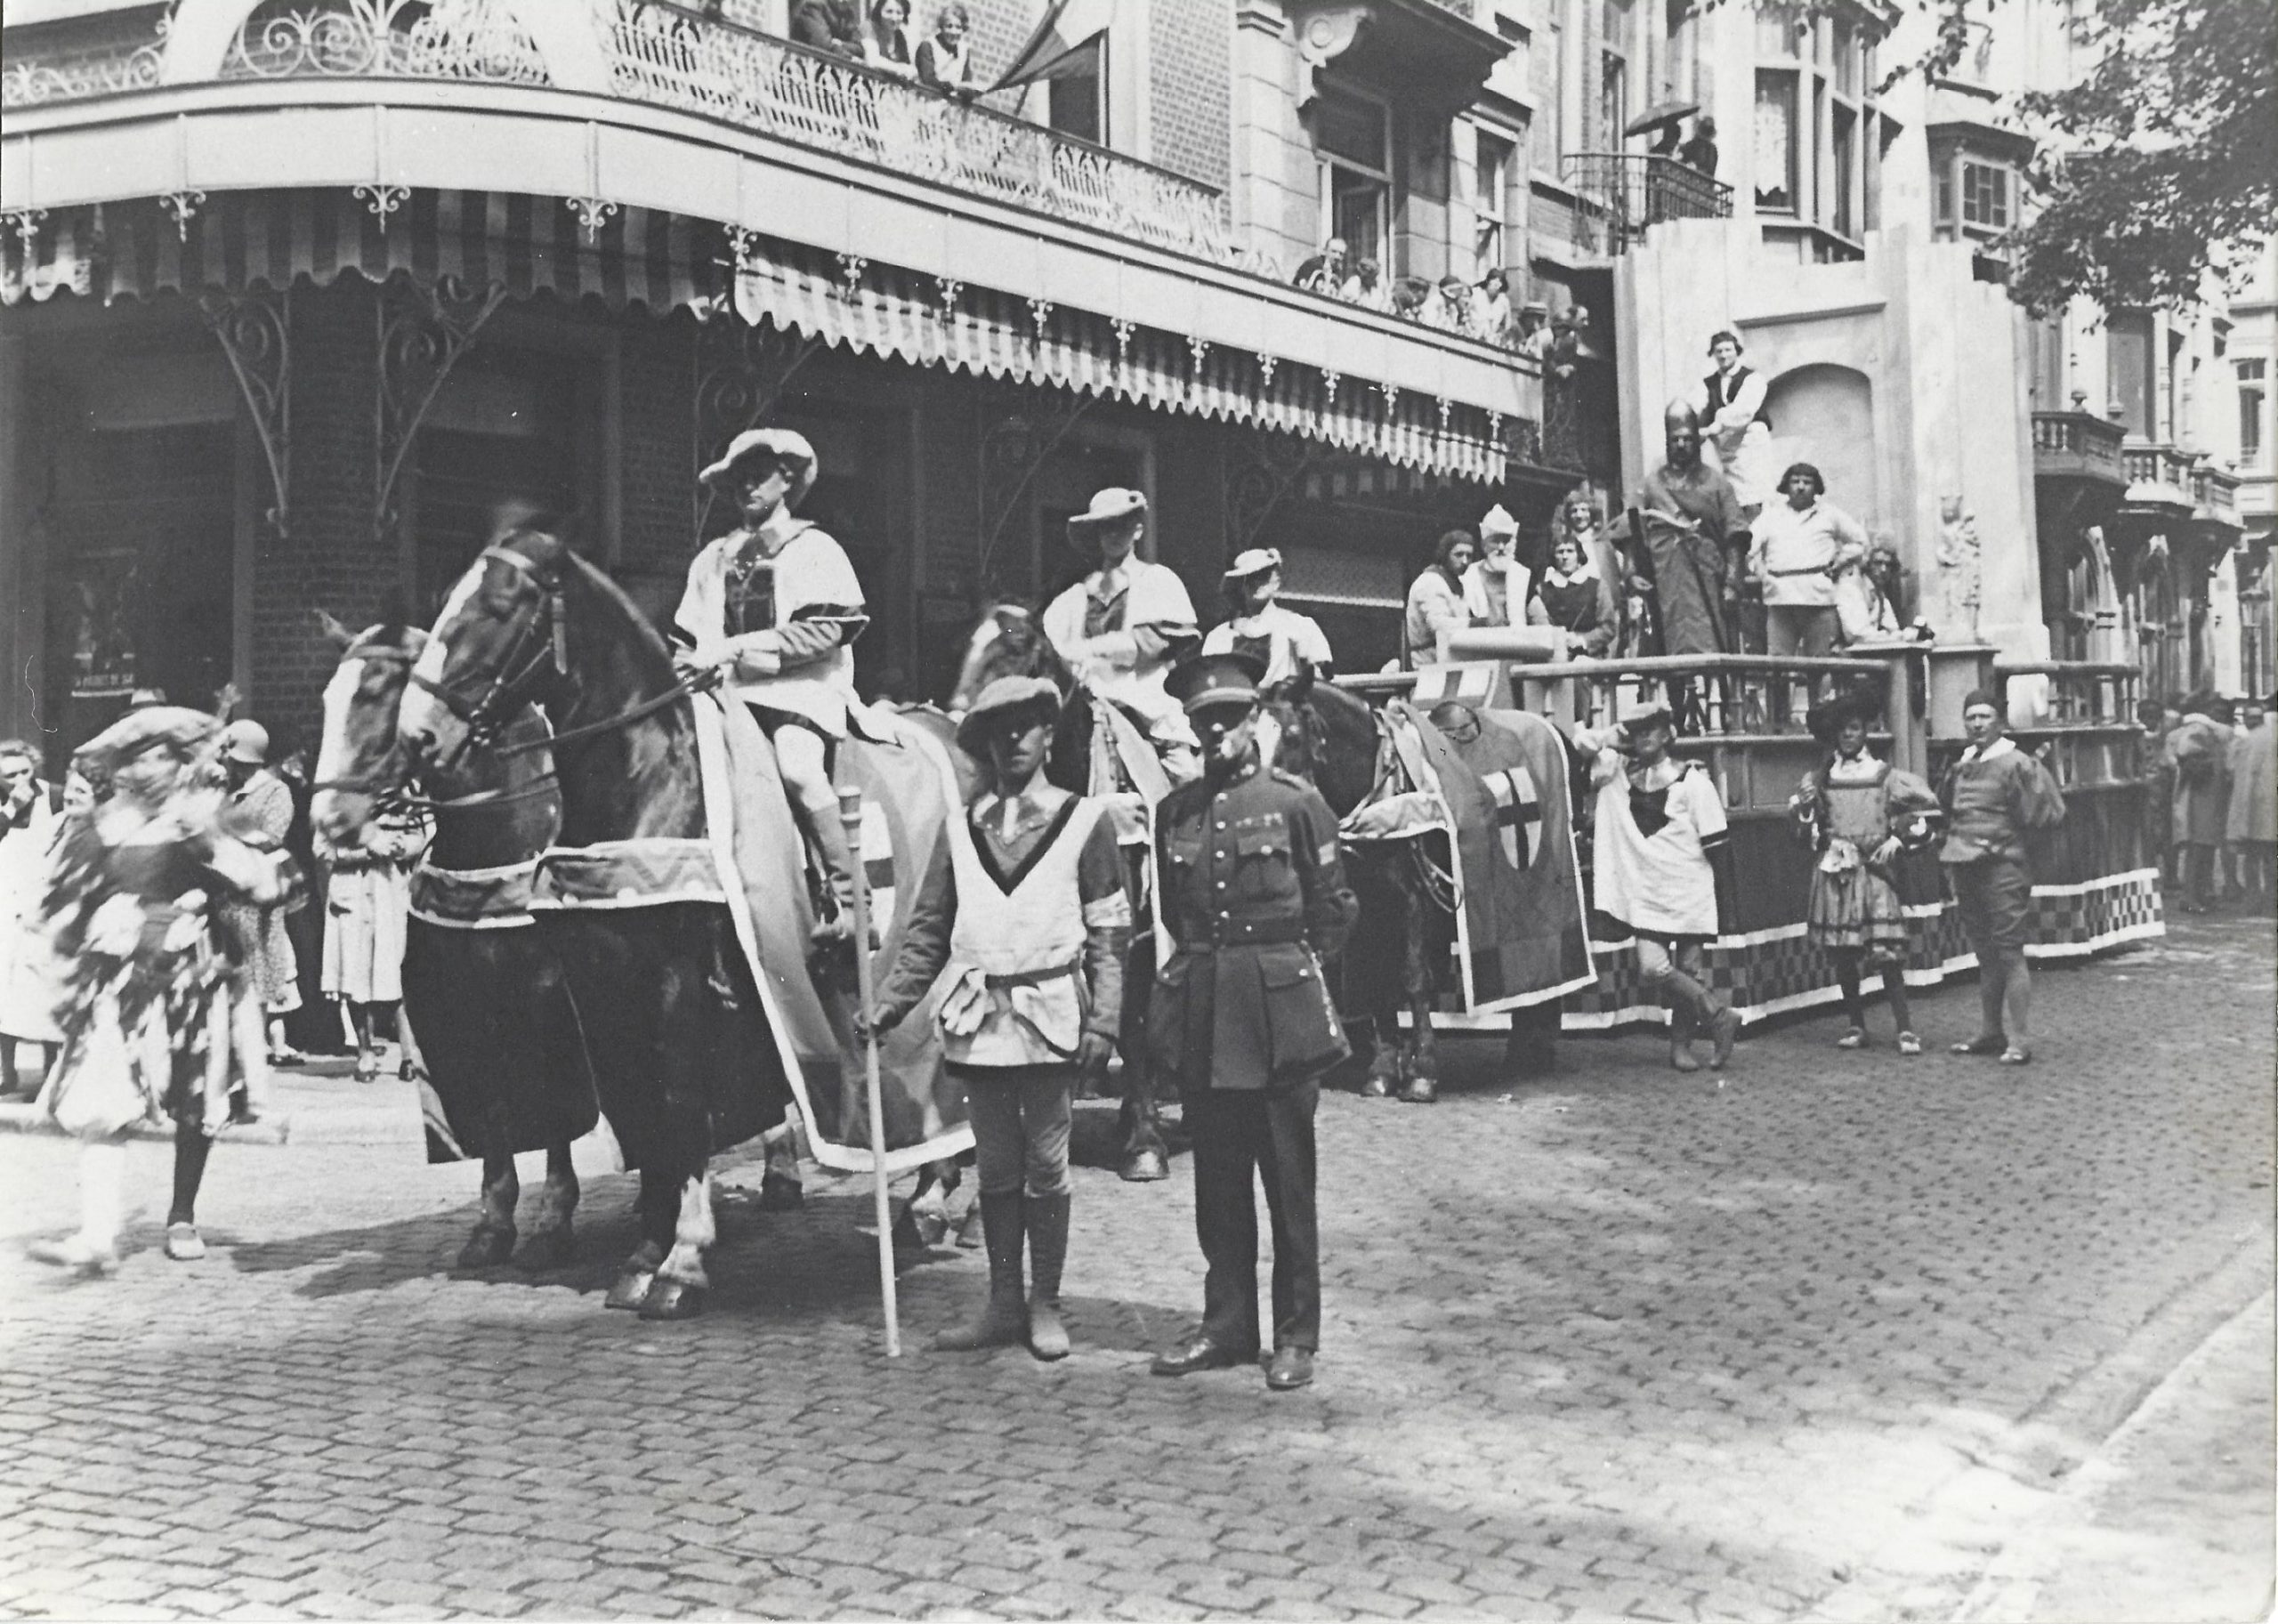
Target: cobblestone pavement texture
(1815, 1338)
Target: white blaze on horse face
(423, 720)
(328, 810)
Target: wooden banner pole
(849, 813)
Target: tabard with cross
(1518, 813)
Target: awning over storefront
(926, 320)
(528, 244)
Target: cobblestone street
(1820, 1339)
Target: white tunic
(1111, 661)
(810, 569)
(1031, 938)
(1660, 884)
(1288, 636)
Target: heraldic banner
(1521, 937)
(909, 791)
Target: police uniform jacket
(1254, 896)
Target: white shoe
(184, 1244)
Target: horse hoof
(486, 1248)
(549, 1248)
(1422, 1089)
(673, 1299)
(1145, 1167)
(905, 1233)
(1375, 1086)
(777, 1193)
(632, 1289)
(932, 1228)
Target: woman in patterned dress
(149, 1023)
(1858, 813)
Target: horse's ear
(332, 630)
(1297, 687)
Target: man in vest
(1123, 625)
(1255, 898)
(774, 606)
(1032, 933)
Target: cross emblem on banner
(1518, 812)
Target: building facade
(297, 293)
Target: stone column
(1269, 188)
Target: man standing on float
(774, 606)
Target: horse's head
(501, 642)
(1328, 737)
(1009, 641)
(362, 760)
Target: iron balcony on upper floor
(1621, 196)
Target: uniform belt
(1276, 934)
(1034, 978)
(1815, 569)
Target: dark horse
(682, 1057)
(486, 998)
(1332, 737)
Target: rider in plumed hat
(775, 605)
(1253, 897)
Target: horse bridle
(485, 716)
(387, 787)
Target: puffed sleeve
(2041, 804)
(1912, 808)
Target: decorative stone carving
(1324, 34)
(1960, 568)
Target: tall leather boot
(1005, 1319)
(1046, 1218)
(828, 837)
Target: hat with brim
(1639, 714)
(171, 726)
(1231, 678)
(1117, 504)
(1827, 718)
(787, 444)
(1004, 701)
(1254, 561)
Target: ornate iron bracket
(741, 372)
(423, 330)
(1014, 443)
(255, 332)
(1271, 469)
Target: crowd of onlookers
(880, 38)
(1482, 309)
(2214, 800)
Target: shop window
(1775, 141)
(504, 429)
(1353, 143)
(2253, 398)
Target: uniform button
(1221, 857)
(1222, 823)
(1221, 884)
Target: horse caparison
(684, 1063)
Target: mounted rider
(1122, 627)
(774, 606)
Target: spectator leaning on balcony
(1730, 402)
(945, 60)
(1367, 287)
(1533, 329)
(1490, 308)
(832, 26)
(886, 45)
(1701, 152)
(1799, 548)
(1448, 306)
(1325, 272)
(1435, 602)
(1495, 587)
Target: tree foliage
(2156, 166)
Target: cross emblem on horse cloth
(1517, 815)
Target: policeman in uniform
(1253, 897)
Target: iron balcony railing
(1622, 195)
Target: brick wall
(330, 558)
(1190, 67)
(656, 427)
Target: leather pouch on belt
(1307, 1036)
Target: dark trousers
(1273, 1133)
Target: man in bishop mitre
(1125, 623)
(773, 605)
